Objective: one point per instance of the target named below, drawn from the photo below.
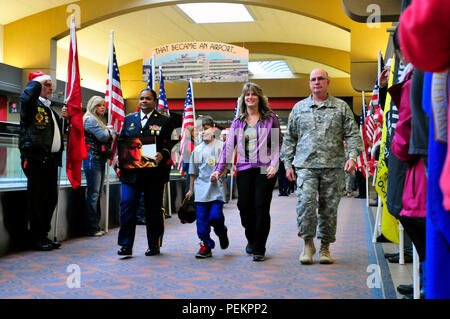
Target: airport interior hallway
(358, 272)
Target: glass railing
(12, 176)
(11, 173)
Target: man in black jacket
(148, 181)
(41, 145)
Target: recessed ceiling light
(209, 12)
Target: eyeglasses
(48, 84)
(135, 146)
(318, 79)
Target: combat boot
(308, 251)
(324, 253)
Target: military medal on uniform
(41, 117)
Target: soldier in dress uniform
(313, 146)
(149, 181)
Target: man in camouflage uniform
(313, 146)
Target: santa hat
(225, 131)
(38, 76)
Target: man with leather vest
(41, 145)
(148, 181)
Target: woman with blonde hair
(255, 132)
(98, 138)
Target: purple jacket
(401, 97)
(414, 197)
(267, 152)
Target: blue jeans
(210, 214)
(94, 169)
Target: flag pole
(110, 70)
(379, 64)
(401, 244)
(192, 93)
(367, 172)
(378, 79)
(152, 70)
(169, 197)
(377, 221)
(231, 176)
(236, 111)
(72, 24)
(416, 271)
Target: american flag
(370, 127)
(113, 97)
(188, 120)
(162, 102)
(363, 158)
(375, 99)
(374, 105)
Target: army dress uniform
(149, 180)
(313, 145)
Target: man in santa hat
(41, 145)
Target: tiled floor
(353, 251)
(176, 273)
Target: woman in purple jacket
(255, 134)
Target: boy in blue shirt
(208, 197)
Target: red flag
(76, 146)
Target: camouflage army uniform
(313, 145)
(349, 177)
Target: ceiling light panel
(269, 67)
(209, 12)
